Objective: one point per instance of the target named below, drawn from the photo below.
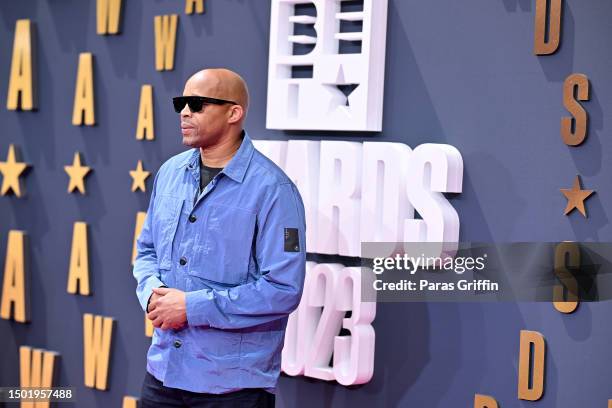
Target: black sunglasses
(196, 103)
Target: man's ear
(236, 113)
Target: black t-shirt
(207, 174)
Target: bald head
(215, 124)
(220, 83)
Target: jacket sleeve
(280, 251)
(145, 268)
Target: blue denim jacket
(239, 254)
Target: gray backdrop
(457, 72)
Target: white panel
(434, 169)
(384, 203)
(316, 103)
(339, 199)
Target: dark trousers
(155, 394)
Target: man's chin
(188, 141)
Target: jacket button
(183, 260)
(177, 343)
(192, 218)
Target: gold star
(77, 174)
(11, 169)
(575, 197)
(138, 177)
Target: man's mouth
(186, 129)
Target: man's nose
(185, 112)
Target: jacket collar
(237, 166)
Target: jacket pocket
(165, 222)
(227, 245)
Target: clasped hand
(167, 309)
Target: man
(221, 258)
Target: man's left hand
(169, 311)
